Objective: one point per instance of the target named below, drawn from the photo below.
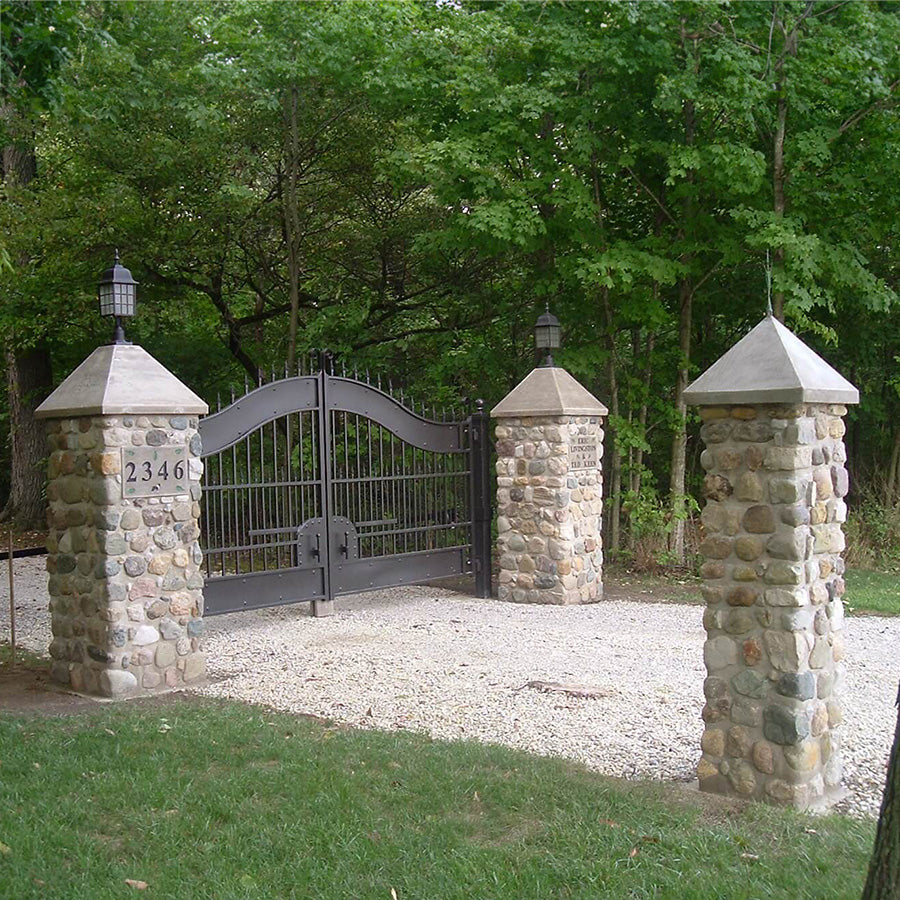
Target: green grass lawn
(202, 799)
(875, 592)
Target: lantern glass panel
(546, 337)
(106, 300)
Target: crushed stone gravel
(427, 659)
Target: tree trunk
(685, 314)
(615, 489)
(28, 381)
(779, 178)
(883, 882)
(291, 220)
(28, 372)
(890, 493)
(678, 465)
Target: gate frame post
(325, 606)
(480, 450)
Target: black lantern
(546, 336)
(117, 293)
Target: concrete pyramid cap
(770, 364)
(548, 391)
(121, 379)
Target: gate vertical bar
(480, 479)
(325, 607)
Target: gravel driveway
(428, 659)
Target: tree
(33, 38)
(883, 882)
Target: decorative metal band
(365, 400)
(264, 404)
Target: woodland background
(408, 184)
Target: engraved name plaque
(583, 452)
(154, 471)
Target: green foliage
(205, 799)
(445, 171)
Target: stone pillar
(125, 584)
(772, 573)
(549, 491)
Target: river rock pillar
(775, 488)
(125, 583)
(549, 490)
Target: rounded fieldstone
(157, 609)
(153, 516)
(712, 570)
(119, 636)
(117, 683)
(742, 596)
(752, 651)
(750, 683)
(739, 621)
(131, 519)
(106, 568)
(135, 565)
(156, 438)
(728, 458)
(788, 544)
(195, 627)
(738, 742)
(170, 630)
(785, 726)
(105, 491)
(116, 592)
(742, 777)
(106, 519)
(172, 581)
(756, 432)
(716, 487)
(801, 686)
(114, 544)
(713, 742)
(196, 445)
(819, 721)
(65, 563)
(178, 423)
(764, 757)
(759, 520)
(715, 548)
(802, 757)
(719, 653)
(748, 548)
(749, 487)
(145, 634)
(795, 515)
(164, 538)
(746, 712)
(165, 655)
(715, 432)
(515, 542)
(841, 481)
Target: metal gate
(321, 485)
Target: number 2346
(135, 472)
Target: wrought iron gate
(321, 485)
